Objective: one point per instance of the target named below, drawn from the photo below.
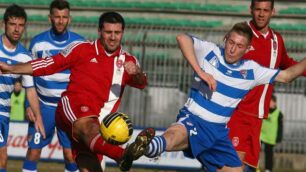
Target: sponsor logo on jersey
(229, 72)
(94, 60)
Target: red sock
(100, 146)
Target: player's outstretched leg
(136, 149)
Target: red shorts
(245, 135)
(67, 113)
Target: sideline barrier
(17, 147)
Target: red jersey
(268, 51)
(97, 80)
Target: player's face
(14, 29)
(59, 20)
(261, 14)
(235, 47)
(111, 36)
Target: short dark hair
(243, 29)
(14, 11)
(59, 4)
(253, 3)
(111, 17)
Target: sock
(2, 170)
(100, 146)
(71, 167)
(156, 147)
(29, 166)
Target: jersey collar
(257, 33)
(101, 51)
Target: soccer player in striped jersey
(267, 49)
(50, 88)
(100, 70)
(12, 52)
(221, 80)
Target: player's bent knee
(176, 138)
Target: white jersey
(19, 55)
(233, 82)
(47, 44)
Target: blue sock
(2, 170)
(156, 147)
(71, 167)
(30, 165)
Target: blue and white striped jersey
(19, 55)
(233, 82)
(46, 44)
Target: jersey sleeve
(202, 49)
(50, 65)
(145, 79)
(286, 61)
(264, 75)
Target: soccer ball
(116, 128)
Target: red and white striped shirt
(96, 79)
(270, 52)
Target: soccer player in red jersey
(100, 70)
(268, 50)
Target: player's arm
(20, 68)
(186, 45)
(34, 104)
(292, 72)
(286, 61)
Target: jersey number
(37, 138)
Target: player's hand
(30, 114)
(39, 126)
(209, 79)
(4, 68)
(131, 68)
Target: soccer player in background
(267, 49)
(221, 80)
(12, 52)
(100, 70)
(50, 88)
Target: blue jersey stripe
(51, 84)
(242, 74)
(229, 91)
(7, 80)
(5, 95)
(5, 108)
(49, 99)
(209, 105)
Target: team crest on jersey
(244, 73)
(119, 63)
(84, 108)
(235, 141)
(214, 61)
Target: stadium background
(150, 35)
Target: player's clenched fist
(131, 68)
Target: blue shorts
(208, 142)
(48, 115)
(4, 130)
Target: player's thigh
(88, 161)
(63, 138)
(176, 137)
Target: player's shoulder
(41, 36)
(128, 55)
(76, 36)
